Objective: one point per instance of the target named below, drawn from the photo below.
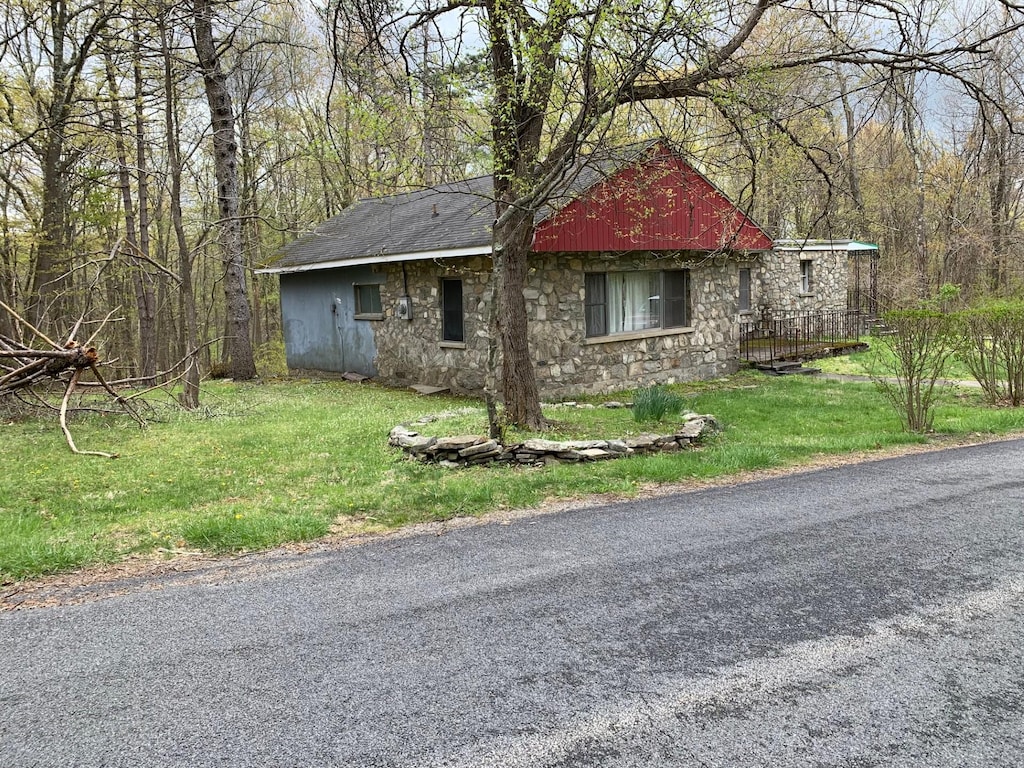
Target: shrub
(270, 360)
(921, 344)
(991, 345)
(654, 403)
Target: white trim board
(390, 258)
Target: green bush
(991, 345)
(270, 360)
(654, 403)
(920, 345)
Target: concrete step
(786, 368)
(801, 371)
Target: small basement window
(368, 306)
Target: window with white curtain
(625, 302)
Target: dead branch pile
(24, 367)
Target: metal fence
(792, 335)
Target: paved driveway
(867, 615)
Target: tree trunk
(145, 363)
(913, 142)
(852, 171)
(142, 277)
(512, 241)
(190, 335)
(999, 207)
(48, 302)
(238, 345)
(516, 131)
(51, 258)
(8, 278)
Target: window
(625, 302)
(368, 305)
(744, 290)
(676, 292)
(452, 317)
(806, 276)
(595, 305)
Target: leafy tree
(560, 71)
(48, 46)
(990, 340)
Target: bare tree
(225, 157)
(187, 309)
(136, 216)
(1001, 157)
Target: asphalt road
(860, 616)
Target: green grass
(878, 358)
(268, 464)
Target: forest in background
(121, 122)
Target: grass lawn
(878, 359)
(270, 463)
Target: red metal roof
(659, 203)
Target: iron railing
(788, 335)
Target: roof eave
(390, 258)
(849, 246)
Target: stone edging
(467, 450)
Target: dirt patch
(173, 567)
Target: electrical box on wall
(404, 308)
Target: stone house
(806, 275)
(640, 273)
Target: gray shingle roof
(446, 217)
(449, 217)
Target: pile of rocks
(466, 450)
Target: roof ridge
(435, 188)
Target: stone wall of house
(780, 287)
(412, 351)
(567, 363)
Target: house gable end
(659, 203)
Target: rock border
(472, 450)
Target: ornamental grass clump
(655, 403)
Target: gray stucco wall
(566, 362)
(320, 329)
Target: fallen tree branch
(64, 420)
(122, 401)
(179, 369)
(24, 368)
(35, 365)
(29, 325)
